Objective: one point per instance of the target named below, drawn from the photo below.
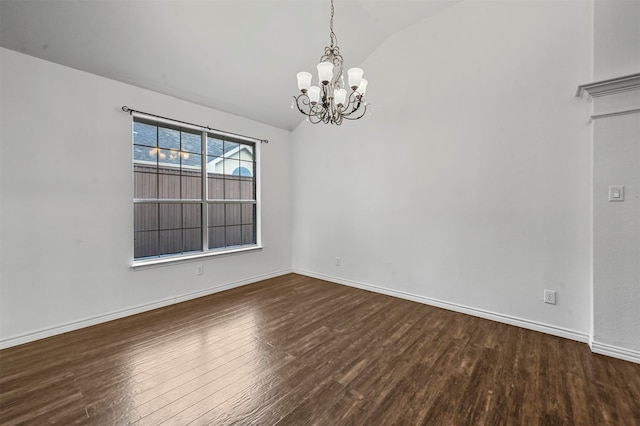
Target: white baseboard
(615, 352)
(75, 325)
(596, 347)
(506, 319)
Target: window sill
(165, 261)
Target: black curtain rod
(131, 111)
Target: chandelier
(330, 102)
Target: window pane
(232, 166)
(216, 237)
(167, 228)
(192, 240)
(248, 213)
(145, 155)
(169, 184)
(247, 189)
(215, 178)
(145, 134)
(191, 215)
(168, 138)
(233, 235)
(145, 244)
(191, 186)
(248, 234)
(216, 214)
(247, 153)
(233, 214)
(214, 146)
(170, 241)
(191, 162)
(169, 158)
(145, 217)
(231, 188)
(247, 168)
(145, 181)
(231, 149)
(192, 142)
(216, 188)
(170, 216)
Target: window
(195, 192)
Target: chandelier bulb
(340, 97)
(355, 77)
(314, 94)
(304, 81)
(325, 72)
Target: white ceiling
(236, 56)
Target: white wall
(617, 232)
(66, 209)
(616, 38)
(616, 143)
(488, 200)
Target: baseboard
(481, 313)
(615, 352)
(75, 325)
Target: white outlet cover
(550, 297)
(616, 193)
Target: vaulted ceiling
(236, 56)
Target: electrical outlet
(199, 270)
(550, 297)
(616, 193)
(338, 263)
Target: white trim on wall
(596, 347)
(481, 313)
(615, 352)
(608, 87)
(99, 319)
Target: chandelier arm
(335, 111)
(318, 110)
(338, 117)
(363, 111)
(329, 113)
(305, 101)
(311, 120)
(351, 106)
(356, 104)
(312, 109)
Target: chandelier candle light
(330, 102)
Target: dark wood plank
(295, 350)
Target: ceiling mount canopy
(330, 102)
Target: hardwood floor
(295, 351)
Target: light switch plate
(616, 193)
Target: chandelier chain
(332, 35)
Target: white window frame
(206, 252)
